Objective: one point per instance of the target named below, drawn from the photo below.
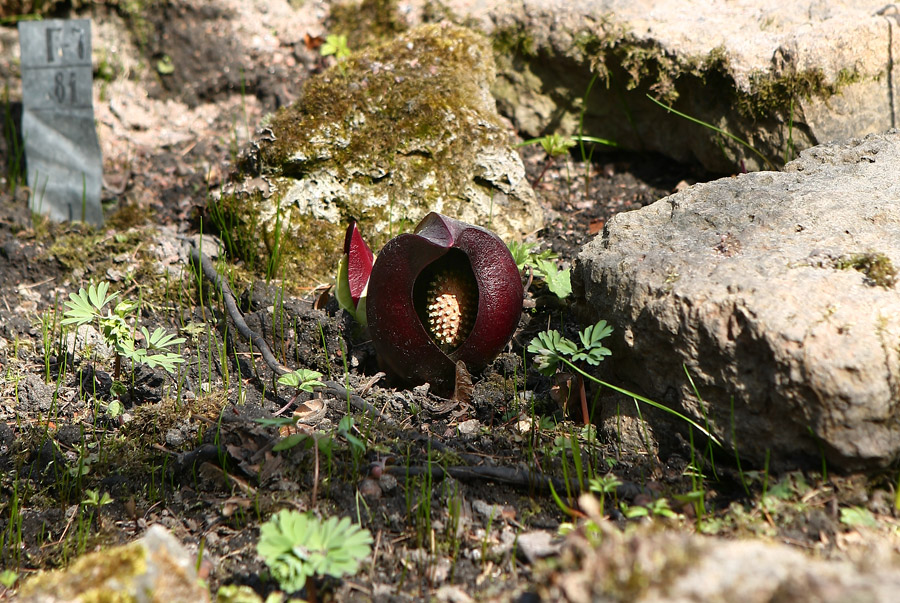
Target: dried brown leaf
(462, 389)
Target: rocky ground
(448, 489)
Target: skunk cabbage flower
(353, 274)
(447, 293)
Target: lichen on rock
(384, 136)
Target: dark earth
(185, 450)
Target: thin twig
(522, 478)
(442, 447)
(209, 271)
(368, 384)
(339, 391)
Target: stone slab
(778, 292)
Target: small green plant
(790, 150)
(708, 125)
(335, 45)
(93, 501)
(858, 517)
(165, 66)
(696, 497)
(524, 255)
(603, 485)
(304, 380)
(297, 546)
(657, 508)
(559, 281)
(90, 306)
(323, 442)
(585, 156)
(11, 538)
(277, 243)
(48, 328)
(345, 428)
(92, 498)
(555, 145)
(454, 515)
(660, 508)
(552, 350)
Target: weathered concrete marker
(62, 152)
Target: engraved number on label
(60, 88)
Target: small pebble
(174, 438)
(469, 427)
(370, 489)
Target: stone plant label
(62, 153)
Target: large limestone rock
(385, 136)
(776, 73)
(775, 290)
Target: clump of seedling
(554, 352)
(335, 45)
(297, 546)
(556, 145)
(305, 380)
(94, 306)
(542, 264)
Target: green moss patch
(366, 108)
(513, 40)
(366, 22)
(877, 268)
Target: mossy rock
(385, 136)
(782, 79)
(154, 568)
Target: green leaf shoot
(558, 281)
(303, 379)
(297, 546)
(335, 45)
